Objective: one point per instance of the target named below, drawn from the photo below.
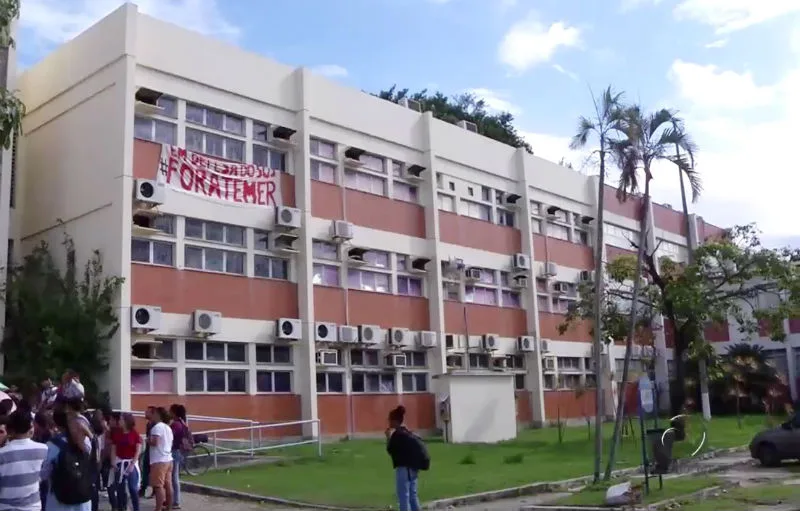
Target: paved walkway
(194, 502)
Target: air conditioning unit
(472, 274)
(348, 334)
(341, 230)
(454, 361)
(396, 360)
(489, 342)
(206, 322)
(511, 200)
(411, 104)
(552, 213)
(586, 276)
(282, 242)
(146, 102)
(368, 334)
(413, 172)
(288, 328)
(526, 343)
(521, 282)
(455, 265)
(150, 192)
(145, 317)
(521, 262)
(355, 256)
(399, 336)
(560, 287)
(469, 126)
(550, 269)
(352, 157)
(499, 363)
(283, 136)
(544, 347)
(426, 339)
(325, 332)
(549, 363)
(288, 218)
(327, 358)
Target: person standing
(181, 437)
(21, 463)
(409, 456)
(160, 448)
(43, 428)
(68, 467)
(148, 415)
(126, 446)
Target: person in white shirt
(20, 466)
(161, 458)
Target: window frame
(226, 370)
(151, 372)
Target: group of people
(56, 456)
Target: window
(169, 106)
(322, 171)
(273, 354)
(446, 202)
(323, 149)
(215, 351)
(486, 193)
(536, 208)
(409, 286)
(214, 119)
(269, 158)
(165, 224)
(479, 360)
(214, 145)
(569, 363)
(416, 359)
(153, 252)
(561, 306)
(515, 362)
(325, 250)
(415, 382)
(560, 232)
(543, 303)
(260, 131)
(536, 226)
(569, 381)
(480, 295)
(397, 170)
(328, 383)
(270, 267)
(451, 291)
(372, 382)
(549, 382)
(368, 281)
(509, 298)
(519, 382)
(366, 358)
(364, 182)
(213, 259)
(581, 237)
(153, 380)
(274, 381)
(326, 275)
(215, 232)
(475, 210)
(163, 351)
(488, 277)
(373, 162)
(505, 217)
(216, 380)
(155, 130)
(452, 186)
(470, 191)
(404, 192)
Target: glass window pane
(261, 266)
(140, 251)
(166, 132)
(234, 149)
(215, 145)
(215, 381)
(282, 354)
(234, 235)
(280, 269)
(234, 124)
(264, 381)
(163, 253)
(260, 156)
(193, 257)
(215, 232)
(143, 128)
(215, 351)
(169, 106)
(194, 350)
(322, 382)
(195, 380)
(234, 262)
(194, 113)
(215, 260)
(194, 228)
(165, 223)
(277, 161)
(237, 381)
(283, 381)
(214, 119)
(194, 140)
(140, 380)
(163, 380)
(260, 132)
(263, 354)
(335, 382)
(237, 352)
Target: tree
(728, 279)
(57, 321)
(601, 124)
(12, 110)
(463, 107)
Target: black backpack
(72, 480)
(419, 459)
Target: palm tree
(647, 137)
(601, 124)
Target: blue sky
(732, 68)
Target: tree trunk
(599, 284)
(637, 285)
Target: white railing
(202, 418)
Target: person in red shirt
(126, 446)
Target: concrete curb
(476, 498)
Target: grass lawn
(358, 472)
(595, 495)
(745, 499)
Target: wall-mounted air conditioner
(418, 265)
(352, 156)
(288, 328)
(544, 346)
(326, 332)
(288, 218)
(521, 262)
(455, 265)
(369, 334)
(499, 363)
(396, 360)
(526, 343)
(341, 231)
(549, 270)
(282, 241)
(206, 322)
(399, 336)
(282, 135)
(472, 274)
(511, 200)
(414, 172)
(145, 317)
(549, 363)
(467, 125)
(489, 342)
(520, 282)
(560, 288)
(411, 104)
(327, 357)
(348, 334)
(586, 276)
(355, 256)
(426, 339)
(150, 192)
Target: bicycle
(199, 459)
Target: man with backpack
(21, 462)
(409, 456)
(70, 467)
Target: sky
(731, 68)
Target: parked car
(773, 446)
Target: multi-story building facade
(240, 292)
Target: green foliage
(57, 321)
(744, 373)
(12, 110)
(463, 107)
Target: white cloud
(719, 43)
(794, 41)
(495, 100)
(563, 71)
(708, 87)
(627, 5)
(54, 22)
(330, 70)
(727, 16)
(554, 148)
(530, 42)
